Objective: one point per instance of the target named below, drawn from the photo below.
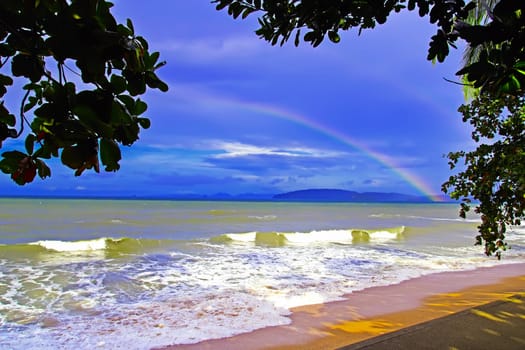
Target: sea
(139, 274)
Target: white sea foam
(188, 298)
(242, 237)
(78, 246)
(317, 236)
(323, 236)
(382, 236)
(185, 320)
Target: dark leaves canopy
(52, 44)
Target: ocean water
(88, 274)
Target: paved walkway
(496, 326)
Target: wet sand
(376, 311)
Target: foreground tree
(497, 70)
(81, 113)
(494, 174)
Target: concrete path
(496, 326)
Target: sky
(369, 114)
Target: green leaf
(31, 102)
(122, 29)
(140, 107)
(110, 154)
(136, 83)
(145, 123)
(163, 86)
(43, 170)
(334, 37)
(9, 164)
(6, 50)
(30, 143)
(17, 155)
(150, 60)
(118, 84)
(222, 4)
(520, 65)
(159, 65)
(71, 157)
(297, 37)
(128, 101)
(93, 68)
(5, 80)
(154, 82)
(91, 120)
(44, 152)
(130, 26)
(247, 12)
(5, 116)
(154, 57)
(5, 167)
(31, 67)
(310, 36)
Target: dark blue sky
(368, 114)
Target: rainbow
(278, 112)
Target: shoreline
(379, 310)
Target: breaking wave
(346, 236)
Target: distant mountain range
(308, 195)
(335, 195)
(316, 195)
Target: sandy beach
(376, 311)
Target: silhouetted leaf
(110, 154)
(30, 143)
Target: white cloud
(238, 149)
(214, 49)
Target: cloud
(238, 149)
(213, 49)
(270, 160)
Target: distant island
(335, 195)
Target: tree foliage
(495, 172)
(83, 74)
(312, 21)
(494, 32)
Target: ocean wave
(344, 236)
(124, 245)
(78, 246)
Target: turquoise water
(137, 274)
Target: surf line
(281, 113)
